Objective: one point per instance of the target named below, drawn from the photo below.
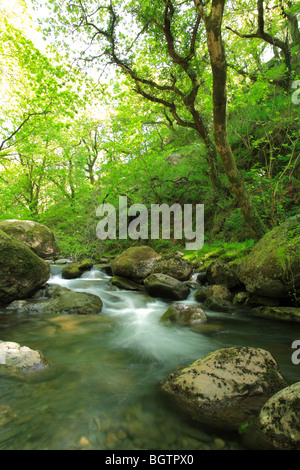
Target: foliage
(70, 142)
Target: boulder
(22, 272)
(272, 269)
(20, 359)
(60, 300)
(277, 426)
(216, 297)
(161, 285)
(174, 266)
(75, 270)
(39, 238)
(183, 314)
(135, 263)
(226, 388)
(220, 273)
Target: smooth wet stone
(161, 285)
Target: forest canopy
(188, 102)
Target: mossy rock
(60, 301)
(75, 270)
(167, 287)
(39, 238)
(183, 314)
(22, 272)
(135, 263)
(174, 266)
(289, 314)
(272, 269)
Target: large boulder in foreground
(22, 272)
(166, 287)
(135, 263)
(272, 269)
(277, 426)
(227, 388)
(39, 238)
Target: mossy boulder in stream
(135, 263)
(227, 388)
(75, 270)
(183, 314)
(22, 272)
(174, 266)
(272, 269)
(59, 300)
(167, 287)
(39, 238)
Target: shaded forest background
(124, 103)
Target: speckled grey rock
(226, 388)
(278, 424)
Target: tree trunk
(213, 24)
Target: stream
(103, 391)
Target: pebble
(84, 441)
(219, 443)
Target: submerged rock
(135, 263)
(183, 314)
(22, 272)
(272, 269)
(277, 426)
(75, 270)
(226, 388)
(39, 238)
(161, 285)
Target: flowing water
(103, 389)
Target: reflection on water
(102, 392)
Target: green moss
(229, 252)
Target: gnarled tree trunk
(213, 23)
